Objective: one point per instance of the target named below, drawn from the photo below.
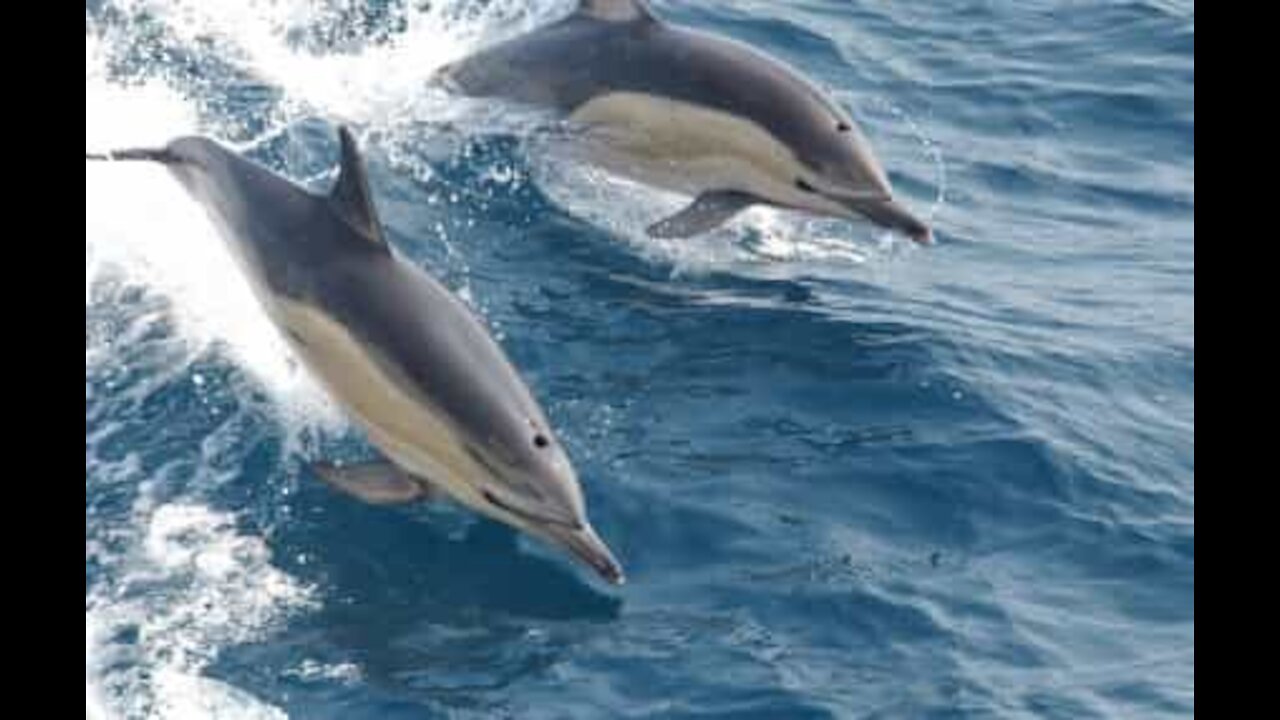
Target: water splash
(384, 56)
(145, 651)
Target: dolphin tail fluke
(160, 155)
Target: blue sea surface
(848, 477)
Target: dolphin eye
(805, 187)
(843, 127)
(540, 440)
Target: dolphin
(403, 356)
(690, 112)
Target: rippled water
(848, 477)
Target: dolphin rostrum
(404, 357)
(690, 112)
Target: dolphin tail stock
(160, 155)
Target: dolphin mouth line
(888, 212)
(526, 515)
(493, 499)
(850, 197)
(579, 539)
(590, 549)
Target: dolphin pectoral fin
(377, 483)
(708, 211)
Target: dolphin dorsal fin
(616, 10)
(350, 197)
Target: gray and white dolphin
(404, 357)
(695, 113)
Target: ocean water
(848, 477)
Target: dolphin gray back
(329, 252)
(281, 233)
(589, 54)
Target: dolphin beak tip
(587, 546)
(607, 568)
(888, 213)
(606, 565)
